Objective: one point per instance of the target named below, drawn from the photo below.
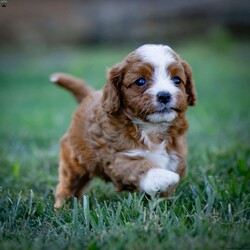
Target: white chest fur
(156, 153)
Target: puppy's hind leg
(70, 184)
(73, 178)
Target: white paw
(158, 180)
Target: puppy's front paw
(158, 180)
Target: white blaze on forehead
(160, 57)
(156, 54)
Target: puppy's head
(151, 84)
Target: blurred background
(53, 23)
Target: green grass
(210, 209)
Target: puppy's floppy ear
(191, 93)
(111, 100)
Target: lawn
(210, 209)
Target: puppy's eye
(140, 82)
(176, 80)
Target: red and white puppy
(133, 131)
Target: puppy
(133, 131)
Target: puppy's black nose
(163, 97)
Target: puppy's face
(151, 84)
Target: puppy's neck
(151, 128)
(159, 133)
(149, 134)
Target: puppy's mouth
(167, 110)
(163, 115)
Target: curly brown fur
(127, 134)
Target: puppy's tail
(75, 85)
